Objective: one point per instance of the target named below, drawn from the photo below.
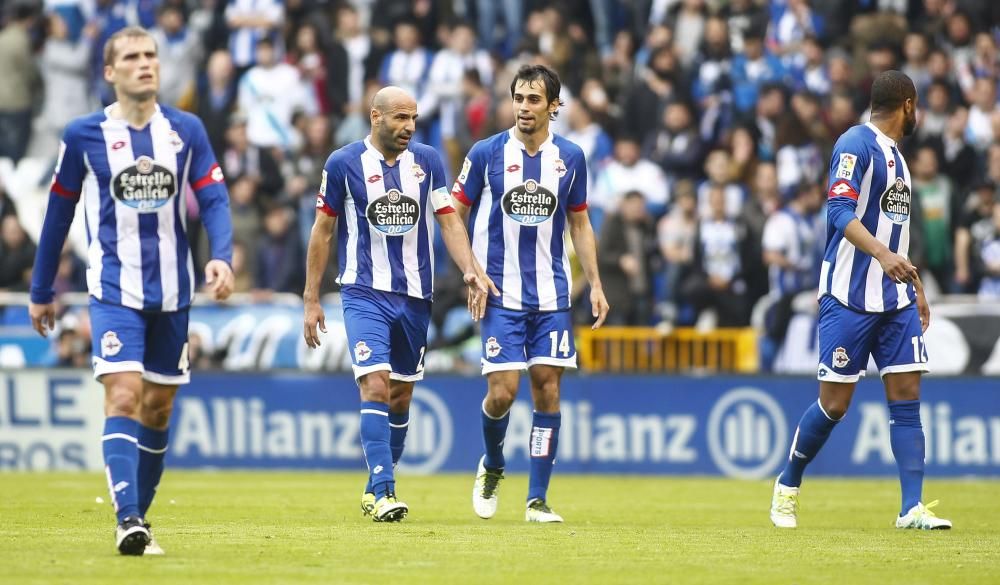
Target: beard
(909, 124)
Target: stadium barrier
(737, 426)
(652, 350)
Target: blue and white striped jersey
(794, 236)
(868, 173)
(519, 206)
(385, 239)
(132, 184)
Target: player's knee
(547, 396)
(500, 397)
(400, 402)
(121, 400)
(156, 414)
(375, 387)
(836, 409)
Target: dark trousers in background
(15, 132)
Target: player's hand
(43, 317)
(480, 286)
(219, 278)
(898, 268)
(314, 317)
(599, 306)
(924, 310)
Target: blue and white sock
(494, 432)
(375, 443)
(152, 450)
(121, 460)
(542, 452)
(813, 431)
(398, 425)
(906, 436)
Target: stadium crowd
(708, 124)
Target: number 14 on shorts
(560, 343)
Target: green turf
(306, 528)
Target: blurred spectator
(798, 157)
(180, 54)
(688, 23)
(934, 117)
(675, 144)
(752, 68)
(959, 159)
(250, 22)
(628, 257)
(743, 151)
(979, 131)
(813, 75)
(444, 94)
(676, 237)
(305, 171)
(619, 66)
(279, 265)
(792, 22)
(476, 112)
(984, 63)
(271, 93)
(789, 243)
(310, 56)
(745, 18)
(770, 108)
(629, 172)
(975, 228)
(21, 81)
(246, 218)
(409, 64)
(65, 69)
(17, 254)
(655, 85)
(243, 280)
(719, 170)
(215, 100)
(242, 159)
(916, 48)
(588, 134)
(511, 11)
(717, 282)
(357, 44)
(71, 276)
(989, 257)
(935, 207)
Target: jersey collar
(880, 136)
(512, 138)
(376, 152)
(124, 123)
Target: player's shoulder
(856, 139)
(81, 126)
(567, 148)
(179, 119)
(347, 154)
(422, 152)
(482, 150)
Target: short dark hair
(531, 73)
(889, 91)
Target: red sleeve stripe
(444, 210)
(327, 211)
(63, 191)
(459, 193)
(214, 175)
(842, 189)
(579, 207)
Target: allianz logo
(223, 428)
(966, 440)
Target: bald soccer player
(385, 188)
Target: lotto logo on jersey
(845, 170)
(145, 186)
(529, 204)
(394, 213)
(895, 202)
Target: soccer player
(522, 187)
(871, 302)
(385, 187)
(131, 163)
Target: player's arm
(584, 242)
(209, 187)
(63, 197)
(317, 256)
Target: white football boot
(920, 517)
(484, 491)
(784, 506)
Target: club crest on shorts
(110, 344)
(840, 359)
(362, 352)
(492, 347)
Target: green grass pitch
(240, 528)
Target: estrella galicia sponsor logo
(895, 202)
(529, 203)
(431, 433)
(145, 186)
(747, 433)
(394, 213)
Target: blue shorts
(848, 337)
(386, 332)
(154, 344)
(517, 340)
